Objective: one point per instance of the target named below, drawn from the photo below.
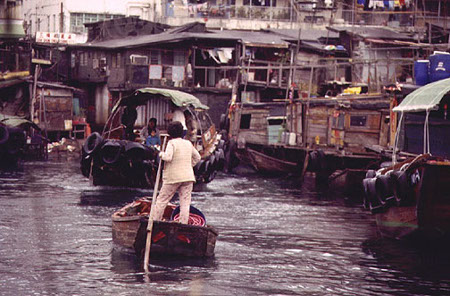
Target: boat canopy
(179, 98)
(425, 98)
(16, 121)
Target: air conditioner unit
(138, 59)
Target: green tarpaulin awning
(179, 98)
(425, 98)
(11, 28)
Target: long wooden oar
(150, 217)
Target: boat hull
(168, 238)
(397, 222)
(171, 238)
(429, 215)
(267, 164)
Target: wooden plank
(358, 139)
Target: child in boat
(153, 139)
(179, 159)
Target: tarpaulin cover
(179, 98)
(425, 98)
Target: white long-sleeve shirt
(178, 115)
(179, 159)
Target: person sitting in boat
(179, 159)
(192, 127)
(153, 139)
(146, 130)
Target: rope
(397, 135)
(194, 219)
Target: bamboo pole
(150, 215)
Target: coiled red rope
(193, 219)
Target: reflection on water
(275, 237)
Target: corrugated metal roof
(247, 37)
(143, 95)
(305, 34)
(372, 32)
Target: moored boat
(325, 136)
(195, 239)
(118, 157)
(13, 140)
(267, 164)
(412, 197)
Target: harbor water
(276, 237)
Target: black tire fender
(4, 134)
(198, 167)
(212, 162)
(16, 140)
(92, 143)
(375, 204)
(135, 151)
(220, 155)
(384, 187)
(86, 163)
(366, 194)
(402, 189)
(317, 161)
(111, 152)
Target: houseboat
(412, 197)
(322, 135)
(118, 157)
(12, 141)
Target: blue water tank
(439, 67)
(421, 72)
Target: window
(272, 3)
(83, 59)
(77, 20)
(179, 59)
(119, 60)
(358, 120)
(245, 121)
(155, 57)
(115, 60)
(167, 58)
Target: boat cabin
(348, 123)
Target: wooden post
(33, 95)
(306, 125)
(45, 114)
(387, 68)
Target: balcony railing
(202, 76)
(379, 18)
(233, 12)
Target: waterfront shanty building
(126, 54)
